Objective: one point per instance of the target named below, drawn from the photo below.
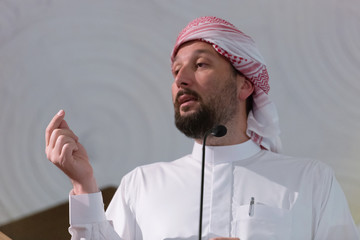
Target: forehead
(194, 48)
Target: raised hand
(64, 150)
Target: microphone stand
(217, 131)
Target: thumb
(64, 125)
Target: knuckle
(62, 163)
(61, 138)
(66, 148)
(56, 131)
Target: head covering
(240, 50)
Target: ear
(245, 88)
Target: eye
(200, 64)
(175, 71)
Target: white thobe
(294, 198)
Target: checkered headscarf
(240, 50)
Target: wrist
(90, 186)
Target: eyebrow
(196, 52)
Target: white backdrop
(107, 64)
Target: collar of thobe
(226, 154)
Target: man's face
(204, 91)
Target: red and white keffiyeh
(240, 50)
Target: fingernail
(61, 112)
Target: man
(250, 192)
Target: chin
(187, 113)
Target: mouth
(185, 99)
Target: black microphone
(217, 131)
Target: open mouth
(186, 98)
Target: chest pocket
(272, 210)
(265, 223)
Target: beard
(219, 108)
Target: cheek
(208, 81)
(174, 91)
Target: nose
(184, 77)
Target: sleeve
(87, 218)
(335, 220)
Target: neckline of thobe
(229, 153)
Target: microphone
(217, 131)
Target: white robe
(294, 198)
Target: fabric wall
(107, 64)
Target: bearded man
(250, 191)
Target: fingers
(68, 149)
(54, 124)
(64, 147)
(64, 151)
(60, 133)
(64, 125)
(54, 151)
(57, 134)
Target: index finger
(54, 124)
